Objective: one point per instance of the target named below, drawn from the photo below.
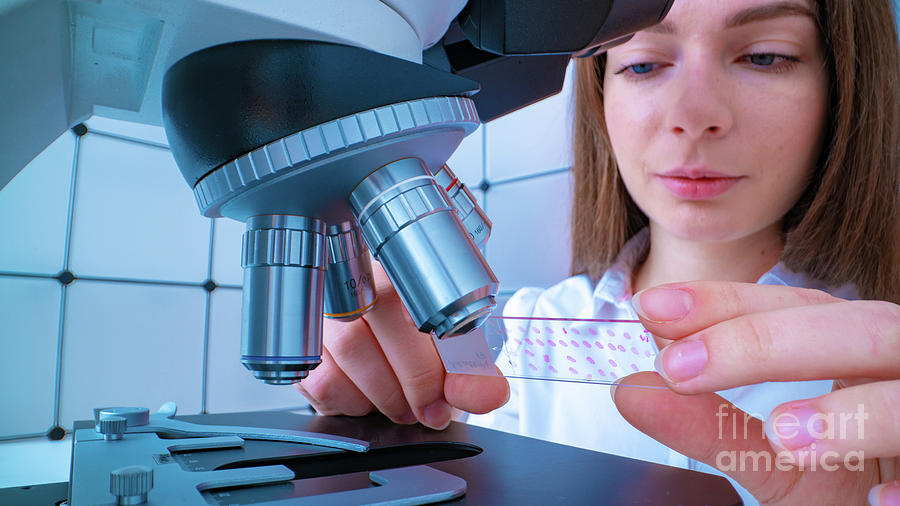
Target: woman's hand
(837, 448)
(381, 361)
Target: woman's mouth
(697, 184)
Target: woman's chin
(699, 230)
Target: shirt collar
(615, 284)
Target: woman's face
(716, 115)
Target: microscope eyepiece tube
(349, 287)
(284, 273)
(414, 231)
(473, 218)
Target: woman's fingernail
(437, 415)
(663, 304)
(796, 427)
(886, 494)
(681, 361)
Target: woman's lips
(697, 185)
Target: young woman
(743, 141)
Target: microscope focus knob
(112, 427)
(131, 484)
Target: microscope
(325, 126)
(330, 151)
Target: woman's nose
(698, 105)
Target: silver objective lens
(473, 218)
(349, 287)
(284, 281)
(415, 233)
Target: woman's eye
(638, 69)
(762, 59)
(770, 60)
(641, 68)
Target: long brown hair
(845, 228)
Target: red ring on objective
(455, 180)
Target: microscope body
(325, 127)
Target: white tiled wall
(34, 208)
(134, 215)
(529, 242)
(226, 254)
(130, 344)
(29, 322)
(137, 326)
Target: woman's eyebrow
(768, 11)
(749, 15)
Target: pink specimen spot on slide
(591, 361)
(570, 358)
(547, 358)
(573, 370)
(613, 363)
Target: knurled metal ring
(321, 141)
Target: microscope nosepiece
(284, 283)
(416, 234)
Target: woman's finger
(331, 392)
(847, 425)
(680, 309)
(356, 351)
(411, 354)
(475, 393)
(823, 341)
(698, 426)
(707, 428)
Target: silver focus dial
(131, 484)
(112, 427)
